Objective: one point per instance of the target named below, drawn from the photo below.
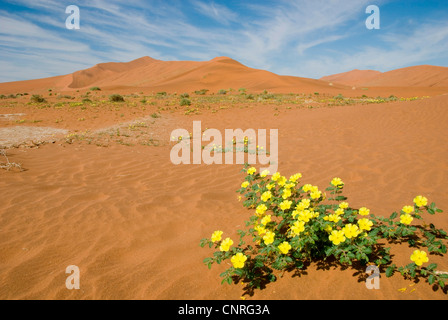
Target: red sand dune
(148, 74)
(416, 76)
(174, 76)
(352, 78)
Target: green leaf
(441, 283)
(431, 211)
(431, 279)
(431, 267)
(390, 271)
(340, 198)
(393, 215)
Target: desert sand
(132, 221)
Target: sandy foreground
(132, 221)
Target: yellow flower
(304, 204)
(333, 218)
(316, 195)
(266, 196)
(419, 257)
(337, 182)
(275, 176)
(307, 188)
(337, 237)
(343, 205)
(226, 244)
(261, 209)
(245, 184)
(365, 224)
(298, 227)
(284, 247)
(238, 260)
(260, 229)
(266, 220)
(281, 181)
(339, 211)
(406, 218)
(268, 237)
(420, 201)
(364, 211)
(270, 186)
(264, 173)
(408, 209)
(251, 171)
(295, 177)
(216, 236)
(285, 205)
(290, 185)
(286, 193)
(305, 215)
(351, 231)
(328, 229)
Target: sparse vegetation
(185, 102)
(116, 98)
(9, 165)
(37, 98)
(201, 92)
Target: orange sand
(132, 221)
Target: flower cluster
(293, 222)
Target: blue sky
(307, 38)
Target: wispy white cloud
(282, 36)
(215, 11)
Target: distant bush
(86, 100)
(162, 94)
(185, 102)
(250, 97)
(116, 98)
(185, 95)
(12, 96)
(155, 115)
(201, 92)
(222, 91)
(2, 96)
(95, 89)
(339, 97)
(37, 98)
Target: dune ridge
(415, 76)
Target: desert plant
(95, 89)
(185, 102)
(116, 98)
(185, 95)
(201, 92)
(222, 92)
(37, 98)
(9, 165)
(295, 224)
